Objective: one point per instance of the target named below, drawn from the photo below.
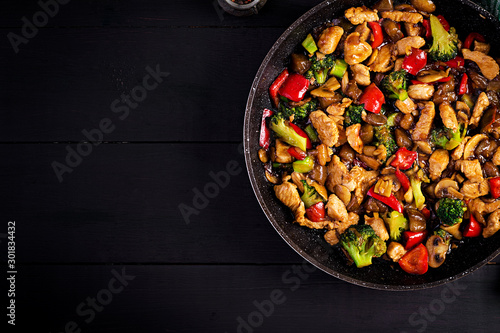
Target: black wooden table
(115, 116)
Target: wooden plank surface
(202, 298)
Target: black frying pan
(466, 17)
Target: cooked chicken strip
(421, 91)
(493, 224)
(355, 50)
(488, 66)
(358, 15)
(448, 116)
(481, 104)
(471, 169)
(361, 74)
(399, 16)
(336, 208)
(326, 128)
(407, 106)
(438, 162)
(404, 45)
(424, 124)
(329, 39)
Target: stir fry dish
(384, 132)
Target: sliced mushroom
(471, 145)
(327, 90)
(343, 193)
(447, 188)
(437, 249)
(454, 230)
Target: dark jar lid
(242, 7)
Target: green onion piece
(303, 166)
(339, 68)
(467, 99)
(311, 133)
(309, 44)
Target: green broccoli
(416, 180)
(446, 236)
(395, 84)
(444, 44)
(362, 244)
(320, 68)
(450, 211)
(299, 112)
(448, 139)
(384, 136)
(280, 125)
(310, 196)
(353, 115)
(397, 224)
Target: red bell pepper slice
(415, 261)
(404, 158)
(303, 134)
(472, 228)
(495, 187)
(372, 98)
(275, 87)
(403, 179)
(295, 87)
(471, 37)
(297, 153)
(265, 136)
(427, 25)
(463, 88)
(378, 36)
(316, 212)
(413, 238)
(415, 61)
(443, 22)
(426, 212)
(455, 62)
(391, 201)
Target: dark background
(223, 268)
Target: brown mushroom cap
(437, 249)
(448, 188)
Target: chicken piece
(358, 15)
(355, 50)
(342, 226)
(332, 237)
(488, 66)
(361, 74)
(404, 45)
(448, 116)
(352, 133)
(399, 16)
(421, 91)
(364, 31)
(473, 190)
(336, 208)
(339, 175)
(326, 128)
(398, 64)
(481, 47)
(395, 251)
(412, 29)
(378, 226)
(496, 158)
(438, 162)
(282, 154)
(385, 59)
(364, 180)
(493, 224)
(481, 104)
(471, 169)
(329, 39)
(297, 178)
(338, 109)
(287, 193)
(407, 106)
(459, 151)
(424, 124)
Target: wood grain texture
(211, 298)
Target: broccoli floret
(416, 180)
(320, 67)
(362, 244)
(310, 196)
(282, 128)
(397, 224)
(384, 136)
(444, 44)
(450, 211)
(448, 139)
(446, 236)
(299, 112)
(353, 115)
(395, 84)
